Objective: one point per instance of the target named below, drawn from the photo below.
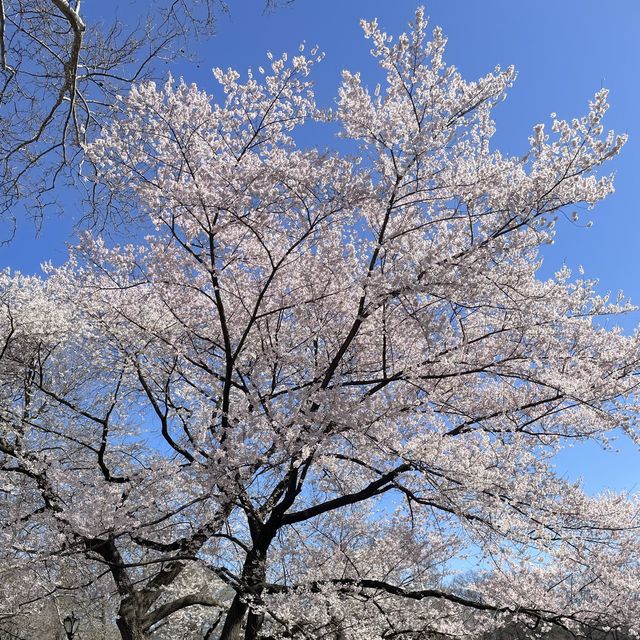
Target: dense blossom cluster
(322, 396)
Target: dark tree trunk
(253, 576)
(129, 622)
(256, 566)
(254, 624)
(232, 629)
(130, 619)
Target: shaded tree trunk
(254, 624)
(232, 629)
(253, 577)
(129, 621)
(130, 618)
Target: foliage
(334, 382)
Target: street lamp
(71, 625)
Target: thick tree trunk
(253, 576)
(254, 624)
(129, 622)
(232, 629)
(256, 573)
(130, 619)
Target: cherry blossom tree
(60, 70)
(320, 393)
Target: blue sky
(564, 51)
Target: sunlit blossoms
(320, 393)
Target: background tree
(60, 71)
(329, 380)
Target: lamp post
(71, 625)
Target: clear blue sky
(564, 51)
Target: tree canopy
(320, 392)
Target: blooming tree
(332, 382)
(60, 70)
